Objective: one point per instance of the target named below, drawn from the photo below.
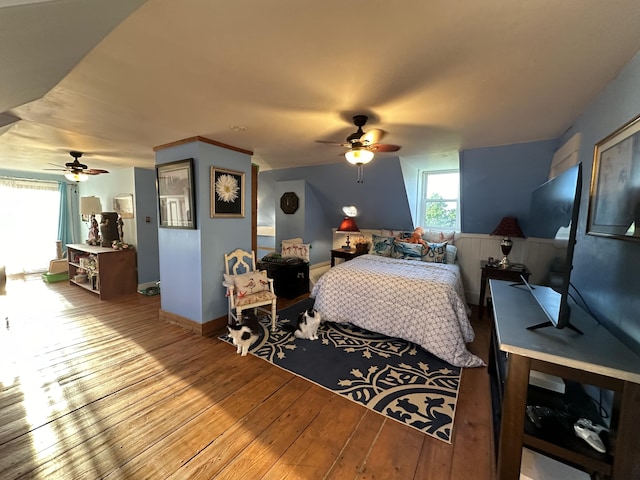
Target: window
(29, 210)
(440, 206)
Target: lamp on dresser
(508, 227)
(89, 207)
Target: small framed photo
(227, 193)
(176, 194)
(614, 200)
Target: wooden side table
(511, 274)
(345, 254)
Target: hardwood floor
(103, 389)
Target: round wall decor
(289, 202)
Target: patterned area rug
(391, 376)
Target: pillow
(248, 283)
(433, 236)
(408, 251)
(436, 253)
(298, 250)
(390, 233)
(290, 241)
(381, 245)
(451, 254)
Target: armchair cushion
(250, 299)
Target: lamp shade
(90, 205)
(508, 227)
(359, 156)
(348, 225)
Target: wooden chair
(247, 287)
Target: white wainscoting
(537, 254)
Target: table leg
(513, 412)
(626, 463)
(483, 289)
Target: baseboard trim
(205, 329)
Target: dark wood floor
(93, 389)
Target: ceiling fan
(362, 145)
(76, 171)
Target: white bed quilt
(418, 301)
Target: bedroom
(496, 170)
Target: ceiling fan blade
(383, 147)
(372, 136)
(57, 169)
(328, 142)
(94, 171)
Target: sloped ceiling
(114, 79)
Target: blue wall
(192, 261)
(606, 269)
(146, 205)
(497, 182)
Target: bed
(419, 301)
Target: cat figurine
(307, 325)
(244, 333)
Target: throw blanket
(417, 301)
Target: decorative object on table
(119, 245)
(508, 227)
(362, 245)
(120, 224)
(390, 376)
(614, 204)
(176, 194)
(227, 192)
(362, 145)
(289, 203)
(108, 228)
(348, 226)
(123, 205)
(89, 207)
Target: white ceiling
(435, 75)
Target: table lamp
(508, 227)
(89, 206)
(348, 226)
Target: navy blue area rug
(391, 376)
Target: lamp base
(504, 263)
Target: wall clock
(289, 202)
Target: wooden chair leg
(274, 317)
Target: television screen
(553, 214)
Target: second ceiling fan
(362, 145)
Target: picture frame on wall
(227, 193)
(123, 205)
(614, 200)
(176, 194)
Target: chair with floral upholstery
(247, 287)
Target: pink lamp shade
(348, 226)
(508, 227)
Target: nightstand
(345, 254)
(511, 274)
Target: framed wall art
(176, 194)
(227, 193)
(614, 200)
(123, 205)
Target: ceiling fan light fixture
(359, 156)
(76, 177)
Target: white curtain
(29, 212)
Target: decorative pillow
(381, 245)
(248, 283)
(436, 253)
(408, 251)
(290, 241)
(433, 236)
(451, 254)
(390, 233)
(298, 250)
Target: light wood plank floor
(93, 389)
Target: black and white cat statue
(244, 333)
(306, 325)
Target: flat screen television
(553, 210)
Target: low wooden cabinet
(104, 271)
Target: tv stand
(594, 358)
(549, 324)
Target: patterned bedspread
(418, 301)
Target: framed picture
(176, 194)
(614, 200)
(123, 205)
(227, 193)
